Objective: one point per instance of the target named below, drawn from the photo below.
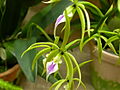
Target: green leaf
(38, 46)
(109, 10)
(109, 44)
(44, 43)
(71, 43)
(67, 31)
(69, 66)
(82, 64)
(77, 67)
(56, 83)
(87, 17)
(103, 20)
(90, 38)
(118, 5)
(111, 39)
(99, 47)
(82, 20)
(76, 79)
(45, 34)
(60, 84)
(92, 8)
(17, 47)
(38, 55)
(107, 32)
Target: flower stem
(66, 32)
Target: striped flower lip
(51, 67)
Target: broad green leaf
(36, 19)
(17, 47)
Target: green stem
(82, 20)
(66, 32)
(69, 70)
(46, 35)
(119, 50)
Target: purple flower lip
(51, 67)
(59, 20)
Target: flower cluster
(55, 52)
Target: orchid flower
(51, 67)
(61, 18)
